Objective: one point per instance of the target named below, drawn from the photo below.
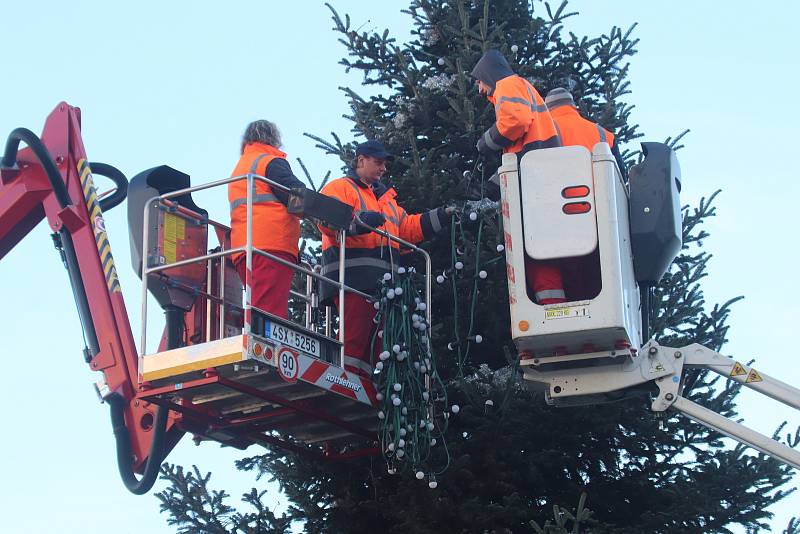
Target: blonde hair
(262, 131)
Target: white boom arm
(664, 366)
(698, 356)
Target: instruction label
(567, 312)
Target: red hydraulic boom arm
(52, 178)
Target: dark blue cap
(373, 149)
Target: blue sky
(175, 83)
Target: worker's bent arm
(513, 116)
(344, 194)
(280, 171)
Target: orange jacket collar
(563, 111)
(262, 148)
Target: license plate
(291, 338)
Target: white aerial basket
(561, 203)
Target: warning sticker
(753, 377)
(738, 370)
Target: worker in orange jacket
(573, 129)
(274, 229)
(581, 275)
(522, 123)
(368, 256)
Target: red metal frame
(26, 197)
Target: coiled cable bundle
(413, 401)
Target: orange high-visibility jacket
(274, 229)
(575, 130)
(369, 256)
(522, 120)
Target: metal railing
(310, 297)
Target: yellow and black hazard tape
(98, 225)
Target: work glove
(482, 147)
(372, 218)
(436, 220)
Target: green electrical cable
(412, 395)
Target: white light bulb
(391, 447)
(432, 484)
(396, 401)
(398, 291)
(387, 276)
(401, 443)
(456, 408)
(425, 396)
(514, 48)
(397, 387)
(381, 415)
(440, 61)
(404, 411)
(482, 275)
(384, 355)
(401, 270)
(415, 325)
(379, 366)
(478, 338)
(489, 402)
(391, 470)
(420, 475)
(473, 216)
(500, 248)
(401, 356)
(400, 453)
(390, 294)
(429, 426)
(376, 305)
(380, 334)
(379, 396)
(433, 442)
(423, 369)
(440, 279)
(459, 265)
(403, 431)
(422, 306)
(396, 349)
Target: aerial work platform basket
(234, 373)
(569, 205)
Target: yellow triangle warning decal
(738, 370)
(753, 376)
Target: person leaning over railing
(368, 256)
(274, 229)
(522, 123)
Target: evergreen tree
(513, 460)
